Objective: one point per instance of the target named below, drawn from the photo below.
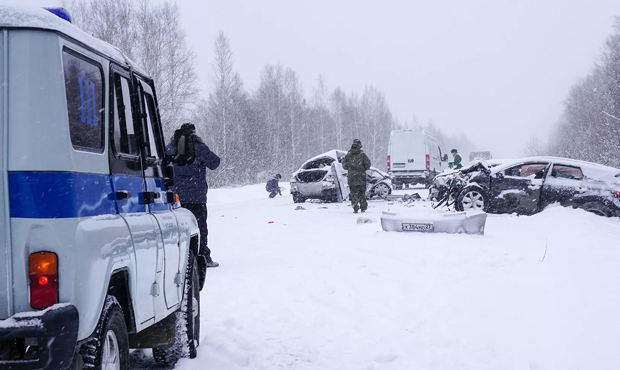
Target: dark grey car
(528, 185)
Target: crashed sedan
(323, 177)
(528, 185)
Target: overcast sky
(498, 70)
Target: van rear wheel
(109, 347)
(187, 338)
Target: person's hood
(355, 149)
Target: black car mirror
(499, 175)
(168, 159)
(444, 158)
(168, 170)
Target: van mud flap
(435, 222)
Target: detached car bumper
(39, 339)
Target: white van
(414, 157)
(95, 255)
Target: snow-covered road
(315, 289)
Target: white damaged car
(323, 177)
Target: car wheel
(381, 190)
(187, 337)
(298, 198)
(596, 208)
(470, 199)
(109, 347)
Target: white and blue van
(95, 256)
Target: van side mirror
(168, 170)
(444, 158)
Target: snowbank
(315, 289)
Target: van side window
(125, 139)
(84, 90)
(155, 143)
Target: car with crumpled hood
(528, 185)
(323, 178)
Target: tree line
(258, 133)
(589, 127)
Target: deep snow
(315, 289)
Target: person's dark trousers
(358, 197)
(273, 194)
(200, 212)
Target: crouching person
(273, 186)
(191, 158)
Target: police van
(95, 255)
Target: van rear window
(84, 89)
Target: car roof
(29, 17)
(592, 170)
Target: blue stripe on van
(75, 194)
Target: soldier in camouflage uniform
(357, 163)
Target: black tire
(298, 198)
(111, 331)
(597, 208)
(187, 337)
(472, 194)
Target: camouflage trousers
(358, 197)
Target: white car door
(343, 183)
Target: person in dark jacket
(192, 157)
(273, 186)
(457, 162)
(356, 162)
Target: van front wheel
(187, 321)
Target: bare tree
(151, 35)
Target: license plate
(426, 228)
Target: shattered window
(319, 163)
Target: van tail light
(428, 162)
(616, 194)
(389, 162)
(43, 271)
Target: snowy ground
(313, 289)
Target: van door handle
(150, 196)
(121, 194)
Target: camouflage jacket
(356, 162)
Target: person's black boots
(211, 263)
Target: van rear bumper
(410, 177)
(39, 339)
